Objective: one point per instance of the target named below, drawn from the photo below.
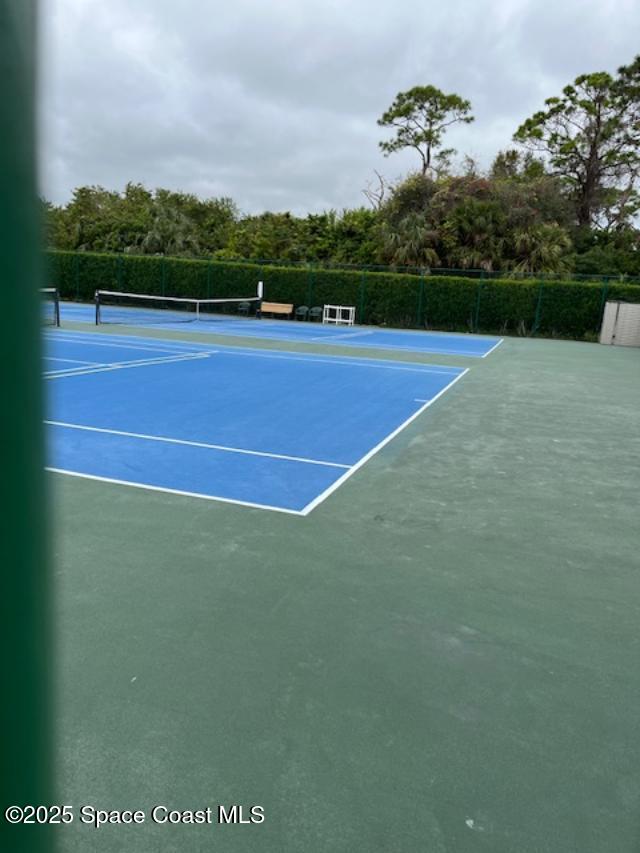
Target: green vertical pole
(310, 285)
(362, 299)
(420, 302)
(603, 300)
(76, 274)
(476, 317)
(209, 280)
(425, 313)
(536, 320)
(24, 599)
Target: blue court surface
(266, 429)
(472, 346)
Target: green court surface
(442, 657)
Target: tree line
(563, 200)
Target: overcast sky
(275, 103)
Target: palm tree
(410, 242)
(171, 233)
(542, 248)
(473, 235)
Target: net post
(96, 299)
(260, 298)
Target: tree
(615, 253)
(410, 242)
(411, 195)
(269, 236)
(591, 137)
(473, 235)
(170, 232)
(542, 249)
(55, 226)
(513, 165)
(375, 192)
(421, 117)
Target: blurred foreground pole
(24, 592)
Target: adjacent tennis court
(279, 431)
(131, 313)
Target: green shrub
(448, 302)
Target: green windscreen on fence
(519, 306)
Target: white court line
(341, 335)
(57, 372)
(90, 341)
(488, 352)
(149, 488)
(123, 365)
(106, 339)
(71, 360)
(207, 446)
(336, 485)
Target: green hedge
(451, 303)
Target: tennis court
(279, 431)
(440, 656)
(231, 325)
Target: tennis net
(50, 310)
(138, 308)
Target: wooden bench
(276, 308)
